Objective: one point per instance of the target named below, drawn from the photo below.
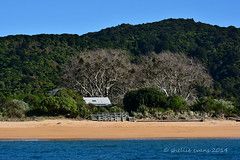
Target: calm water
(182, 149)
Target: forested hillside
(33, 64)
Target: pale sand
(70, 129)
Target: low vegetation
(152, 103)
(148, 97)
(65, 102)
(14, 109)
(141, 103)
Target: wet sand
(71, 129)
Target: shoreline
(114, 139)
(65, 129)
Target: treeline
(35, 64)
(141, 103)
(62, 102)
(162, 86)
(152, 103)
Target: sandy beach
(71, 129)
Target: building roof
(97, 101)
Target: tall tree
(99, 73)
(175, 74)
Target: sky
(82, 16)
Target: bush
(155, 112)
(15, 109)
(71, 93)
(68, 106)
(144, 110)
(149, 97)
(33, 100)
(65, 102)
(115, 109)
(177, 103)
(84, 112)
(55, 106)
(215, 106)
(3, 99)
(101, 109)
(49, 105)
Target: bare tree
(174, 74)
(111, 73)
(99, 73)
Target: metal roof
(97, 101)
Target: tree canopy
(34, 64)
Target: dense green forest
(33, 64)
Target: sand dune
(70, 129)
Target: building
(97, 101)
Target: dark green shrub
(33, 100)
(54, 106)
(102, 109)
(215, 106)
(149, 97)
(65, 102)
(15, 109)
(84, 111)
(68, 106)
(177, 103)
(71, 93)
(115, 109)
(49, 105)
(3, 99)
